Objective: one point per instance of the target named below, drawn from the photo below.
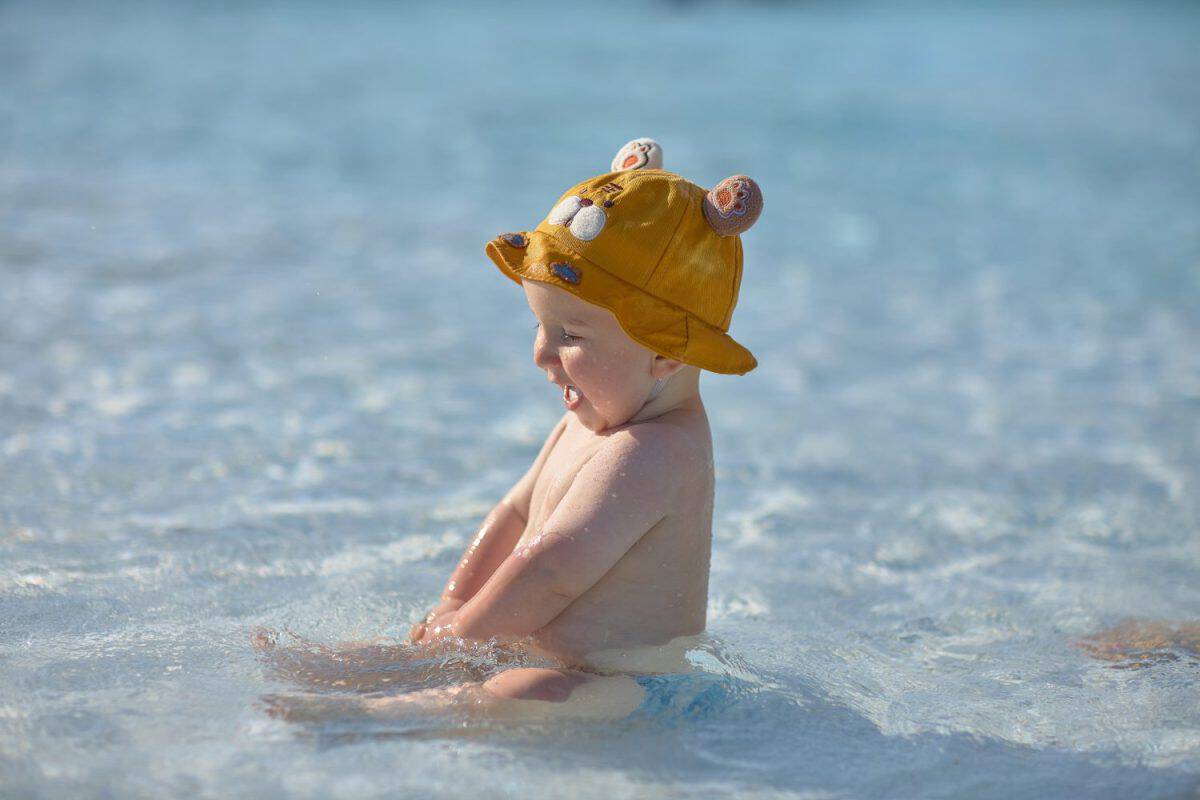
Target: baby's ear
(641, 153)
(733, 205)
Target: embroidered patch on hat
(639, 153)
(515, 239)
(580, 215)
(588, 223)
(612, 190)
(733, 205)
(565, 271)
(730, 197)
(565, 210)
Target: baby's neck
(681, 393)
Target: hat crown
(648, 227)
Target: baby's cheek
(579, 367)
(609, 383)
(584, 373)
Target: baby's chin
(581, 406)
(590, 419)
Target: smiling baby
(597, 559)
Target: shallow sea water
(256, 370)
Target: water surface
(256, 370)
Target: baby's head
(607, 379)
(633, 277)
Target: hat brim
(651, 322)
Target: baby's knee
(533, 683)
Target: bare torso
(644, 612)
(642, 616)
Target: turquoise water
(256, 370)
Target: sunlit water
(256, 370)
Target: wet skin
(605, 542)
(597, 559)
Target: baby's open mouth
(571, 397)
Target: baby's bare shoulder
(668, 452)
(635, 477)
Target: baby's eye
(564, 336)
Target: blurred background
(256, 369)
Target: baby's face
(583, 347)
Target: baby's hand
(443, 609)
(438, 639)
(435, 627)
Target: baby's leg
(424, 704)
(516, 695)
(359, 666)
(530, 694)
(379, 664)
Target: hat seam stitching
(667, 246)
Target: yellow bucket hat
(661, 253)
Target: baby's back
(658, 591)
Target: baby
(597, 559)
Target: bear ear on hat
(641, 153)
(733, 205)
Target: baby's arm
(499, 533)
(622, 492)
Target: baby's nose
(544, 356)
